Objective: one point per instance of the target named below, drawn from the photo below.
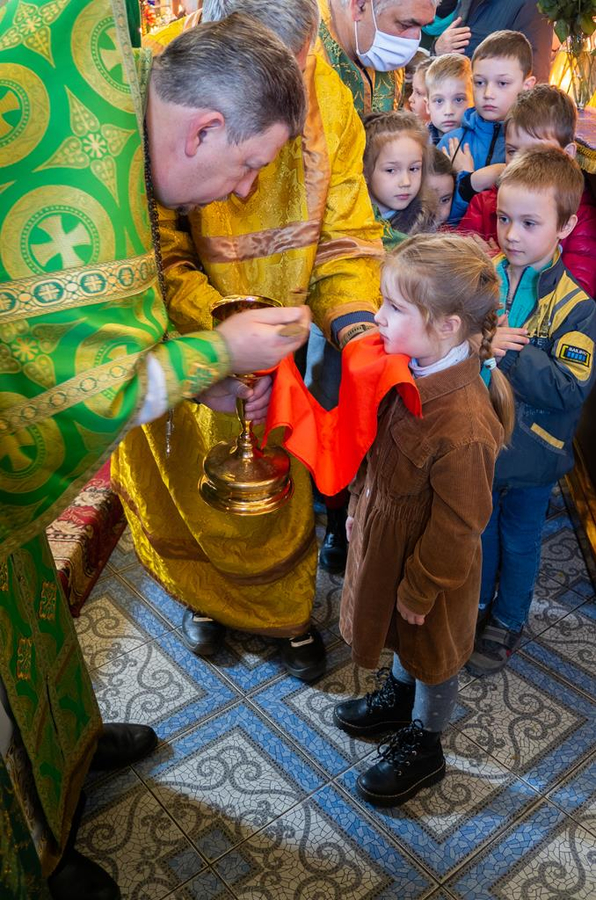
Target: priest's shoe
(334, 551)
(304, 656)
(386, 708)
(120, 745)
(202, 635)
(79, 878)
(411, 760)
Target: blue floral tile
(138, 580)
(250, 661)
(123, 555)
(548, 608)
(577, 795)
(131, 835)
(562, 560)
(568, 648)
(446, 824)
(160, 684)
(206, 886)
(327, 600)
(306, 712)
(226, 779)
(534, 724)
(114, 621)
(543, 856)
(323, 848)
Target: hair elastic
(487, 369)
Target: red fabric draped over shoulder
(332, 444)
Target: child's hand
(462, 159)
(408, 615)
(349, 525)
(490, 247)
(508, 338)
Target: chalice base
(245, 486)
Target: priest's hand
(454, 39)
(260, 338)
(221, 397)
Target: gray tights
(433, 703)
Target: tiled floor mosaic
(250, 793)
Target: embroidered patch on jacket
(576, 351)
(575, 354)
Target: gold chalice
(241, 477)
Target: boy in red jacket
(542, 115)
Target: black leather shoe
(411, 760)
(304, 656)
(202, 635)
(120, 745)
(386, 708)
(79, 878)
(334, 551)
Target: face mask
(388, 51)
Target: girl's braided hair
(450, 275)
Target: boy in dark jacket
(501, 69)
(543, 116)
(545, 346)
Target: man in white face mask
(368, 42)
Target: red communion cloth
(333, 443)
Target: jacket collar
(473, 119)
(547, 279)
(452, 379)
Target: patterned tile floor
(250, 793)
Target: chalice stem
(246, 442)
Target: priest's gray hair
(296, 22)
(382, 5)
(238, 68)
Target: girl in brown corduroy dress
(418, 508)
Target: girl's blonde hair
(449, 275)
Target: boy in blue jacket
(544, 344)
(501, 69)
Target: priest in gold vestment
(303, 229)
(85, 354)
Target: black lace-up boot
(386, 708)
(411, 760)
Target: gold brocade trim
(72, 288)
(347, 247)
(259, 243)
(315, 157)
(586, 157)
(128, 60)
(69, 393)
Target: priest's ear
(357, 9)
(202, 126)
